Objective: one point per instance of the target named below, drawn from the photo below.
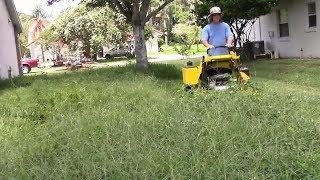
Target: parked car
(119, 52)
(29, 63)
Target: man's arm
(229, 36)
(229, 42)
(207, 45)
(205, 38)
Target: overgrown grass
(120, 124)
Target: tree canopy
(137, 13)
(86, 29)
(23, 37)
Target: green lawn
(120, 124)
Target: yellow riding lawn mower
(215, 72)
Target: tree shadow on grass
(165, 71)
(159, 71)
(26, 81)
(17, 82)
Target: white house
(10, 27)
(291, 30)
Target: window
(312, 14)
(283, 23)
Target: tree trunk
(87, 52)
(140, 47)
(166, 26)
(42, 53)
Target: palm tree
(37, 25)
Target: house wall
(8, 49)
(301, 36)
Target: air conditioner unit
(258, 48)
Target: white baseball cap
(215, 10)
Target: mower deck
(214, 72)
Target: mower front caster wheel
(188, 88)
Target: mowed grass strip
(120, 124)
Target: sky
(26, 6)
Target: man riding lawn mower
(217, 67)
